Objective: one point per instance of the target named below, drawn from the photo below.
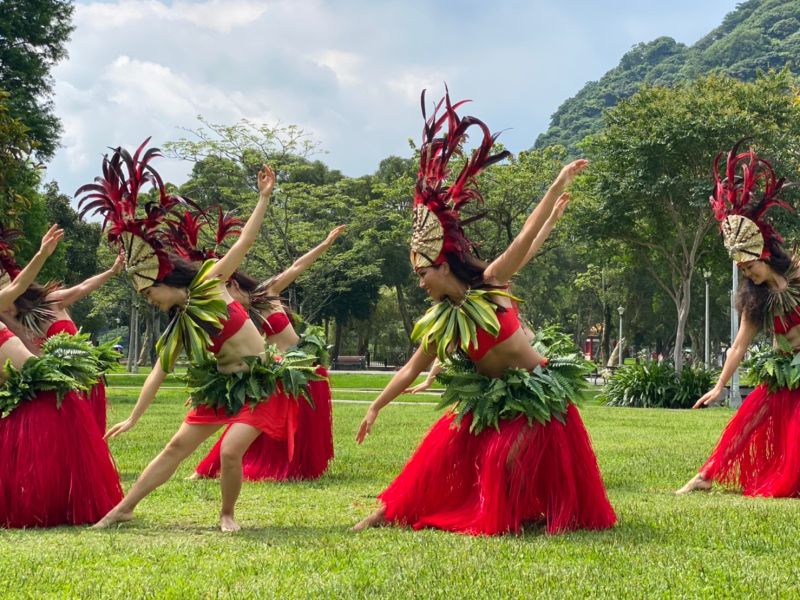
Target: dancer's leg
(160, 469)
(702, 482)
(235, 443)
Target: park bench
(350, 362)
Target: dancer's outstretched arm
(402, 379)
(503, 268)
(26, 277)
(149, 389)
(68, 296)
(285, 279)
(234, 257)
(544, 232)
(747, 332)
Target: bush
(652, 384)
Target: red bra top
(275, 323)
(237, 315)
(5, 335)
(786, 322)
(509, 323)
(62, 326)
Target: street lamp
(620, 310)
(735, 399)
(707, 277)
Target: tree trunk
(685, 301)
(133, 341)
(403, 308)
(337, 338)
(605, 341)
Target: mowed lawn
(296, 542)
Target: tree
(650, 180)
(33, 37)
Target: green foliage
(776, 367)
(68, 363)
(757, 36)
(18, 176)
(653, 384)
(34, 37)
(205, 306)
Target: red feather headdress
(9, 269)
(740, 204)
(184, 233)
(437, 227)
(115, 196)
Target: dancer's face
(756, 271)
(238, 293)
(434, 280)
(164, 297)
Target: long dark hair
(250, 284)
(751, 299)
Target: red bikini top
(786, 322)
(274, 323)
(237, 315)
(5, 335)
(509, 323)
(62, 326)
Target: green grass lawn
(296, 543)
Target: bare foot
(228, 524)
(113, 517)
(376, 519)
(696, 483)
(194, 476)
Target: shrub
(652, 384)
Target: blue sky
(349, 72)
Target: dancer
(514, 449)
(558, 212)
(42, 311)
(313, 443)
(55, 468)
(758, 451)
(232, 379)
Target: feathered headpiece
(437, 227)
(184, 233)
(115, 195)
(9, 269)
(740, 210)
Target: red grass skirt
(97, 404)
(495, 482)
(759, 451)
(267, 458)
(55, 468)
(276, 417)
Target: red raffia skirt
(759, 451)
(276, 418)
(268, 458)
(97, 404)
(495, 482)
(55, 468)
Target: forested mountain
(757, 36)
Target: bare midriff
(515, 352)
(245, 342)
(793, 337)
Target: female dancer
(313, 444)
(235, 380)
(758, 451)
(55, 468)
(42, 311)
(541, 237)
(508, 455)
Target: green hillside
(758, 35)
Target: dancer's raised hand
(571, 171)
(266, 181)
(334, 233)
(50, 240)
(708, 398)
(366, 425)
(561, 205)
(119, 263)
